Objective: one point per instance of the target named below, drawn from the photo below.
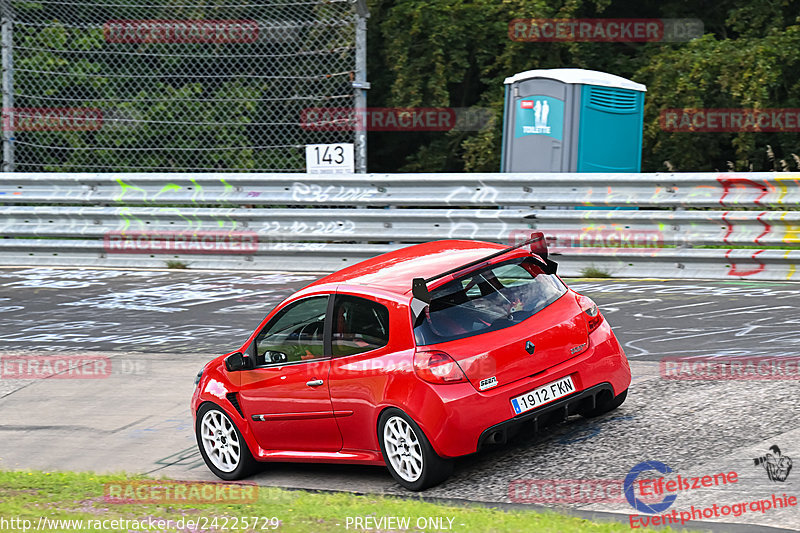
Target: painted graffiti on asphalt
(89, 334)
(125, 310)
(750, 290)
(47, 278)
(170, 298)
(714, 319)
(148, 294)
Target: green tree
(457, 53)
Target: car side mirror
(273, 356)
(235, 361)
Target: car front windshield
(492, 298)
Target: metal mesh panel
(159, 85)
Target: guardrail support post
(361, 85)
(8, 86)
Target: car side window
(294, 334)
(359, 325)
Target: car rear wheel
(408, 454)
(221, 444)
(606, 405)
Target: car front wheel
(408, 454)
(221, 444)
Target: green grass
(594, 272)
(70, 495)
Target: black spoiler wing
(537, 242)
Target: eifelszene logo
(777, 465)
(668, 487)
(630, 495)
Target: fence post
(8, 86)
(360, 84)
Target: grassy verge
(80, 496)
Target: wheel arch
(383, 408)
(241, 423)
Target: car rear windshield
(489, 299)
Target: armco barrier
(705, 225)
(765, 190)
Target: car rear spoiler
(538, 246)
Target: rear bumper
(466, 419)
(570, 405)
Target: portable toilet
(572, 120)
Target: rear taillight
(592, 313)
(438, 367)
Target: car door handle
(314, 383)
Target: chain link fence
(160, 85)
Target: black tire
(606, 405)
(245, 465)
(434, 469)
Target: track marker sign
(330, 158)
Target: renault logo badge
(529, 347)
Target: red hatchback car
(410, 358)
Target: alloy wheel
(403, 449)
(220, 441)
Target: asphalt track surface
(159, 327)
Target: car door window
(295, 334)
(359, 325)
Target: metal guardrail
(746, 225)
(766, 190)
(646, 228)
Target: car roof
(394, 271)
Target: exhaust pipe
(498, 437)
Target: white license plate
(542, 395)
